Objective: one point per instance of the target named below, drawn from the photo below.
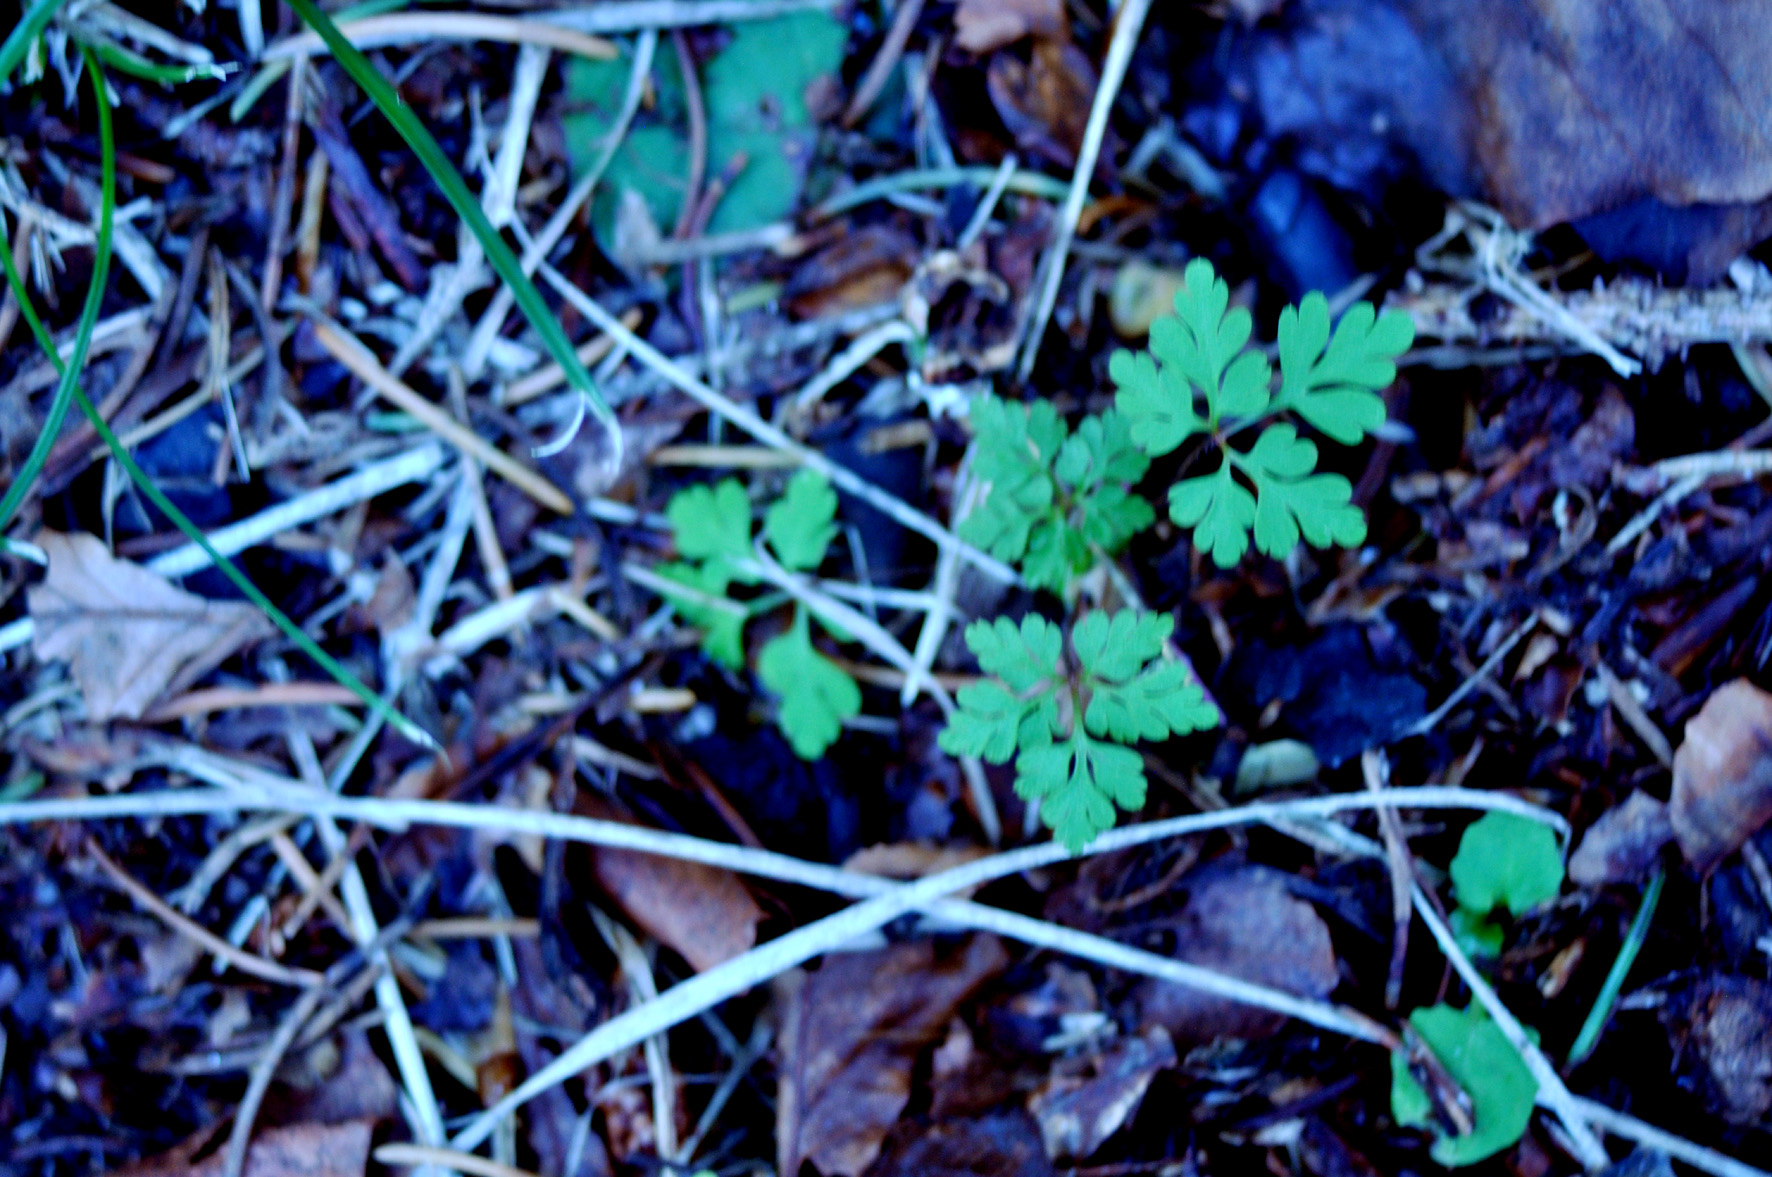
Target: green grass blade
(24, 34)
(127, 61)
(528, 298)
(70, 379)
(1601, 1013)
(95, 293)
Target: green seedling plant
(1509, 862)
(712, 526)
(1068, 718)
(1200, 379)
(1059, 501)
(1504, 861)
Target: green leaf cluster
(1201, 378)
(1057, 499)
(1480, 1059)
(712, 526)
(1067, 721)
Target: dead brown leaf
(1081, 1104)
(851, 1033)
(1623, 845)
(983, 25)
(1044, 100)
(129, 635)
(703, 913)
(1242, 922)
(299, 1150)
(1722, 790)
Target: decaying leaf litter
(680, 669)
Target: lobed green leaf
(1163, 700)
(816, 694)
(722, 629)
(992, 722)
(1023, 656)
(1114, 648)
(1332, 382)
(712, 523)
(799, 526)
(1078, 782)
(1219, 509)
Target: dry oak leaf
(128, 634)
(1242, 921)
(1722, 791)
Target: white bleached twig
(1127, 25)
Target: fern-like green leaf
(1163, 700)
(1023, 656)
(1116, 646)
(1078, 782)
(1219, 509)
(1329, 380)
(1055, 498)
(993, 722)
(1198, 353)
(1292, 502)
(1332, 383)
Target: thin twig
(401, 1156)
(1128, 23)
(266, 970)
(263, 1071)
(347, 350)
(879, 70)
(1430, 721)
(1376, 770)
(401, 28)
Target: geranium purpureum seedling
(1200, 379)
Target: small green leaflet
(1331, 382)
(706, 607)
(1122, 686)
(1480, 1059)
(711, 523)
(1199, 378)
(816, 694)
(799, 527)
(1078, 781)
(1505, 860)
(712, 526)
(1056, 498)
